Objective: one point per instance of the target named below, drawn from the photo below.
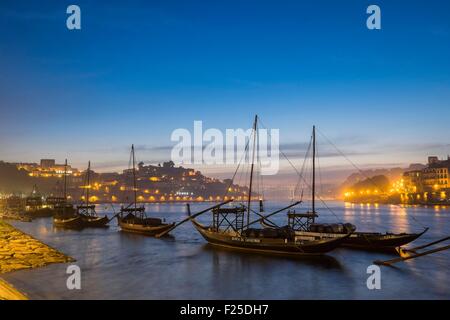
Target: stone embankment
(21, 251)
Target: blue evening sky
(140, 69)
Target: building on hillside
(47, 168)
(430, 184)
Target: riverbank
(19, 251)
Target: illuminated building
(430, 183)
(48, 168)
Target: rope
(302, 170)
(239, 164)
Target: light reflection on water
(118, 265)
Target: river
(117, 265)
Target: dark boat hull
(94, 222)
(379, 241)
(145, 229)
(74, 222)
(371, 241)
(276, 246)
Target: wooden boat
(35, 207)
(133, 217)
(301, 222)
(362, 240)
(64, 212)
(68, 222)
(231, 228)
(86, 211)
(135, 222)
(89, 217)
(260, 241)
(380, 241)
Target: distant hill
(13, 180)
(380, 182)
(391, 174)
(164, 182)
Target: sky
(138, 70)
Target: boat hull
(145, 229)
(378, 241)
(94, 222)
(68, 222)
(276, 246)
(369, 240)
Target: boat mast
(134, 178)
(65, 181)
(314, 170)
(88, 183)
(65, 187)
(251, 170)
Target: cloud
(299, 150)
(419, 147)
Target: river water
(117, 265)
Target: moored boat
(305, 222)
(262, 241)
(89, 217)
(67, 222)
(35, 206)
(133, 218)
(64, 212)
(380, 241)
(232, 228)
(86, 212)
(376, 241)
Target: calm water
(117, 265)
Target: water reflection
(322, 261)
(130, 266)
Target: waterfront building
(431, 184)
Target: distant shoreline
(424, 205)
